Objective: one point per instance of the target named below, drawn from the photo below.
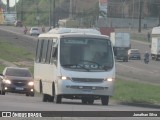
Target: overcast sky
(12, 2)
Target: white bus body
(66, 67)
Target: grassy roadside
(136, 92)
(125, 91)
(17, 55)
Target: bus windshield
(86, 54)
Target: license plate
(19, 88)
(88, 91)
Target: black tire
(3, 92)
(32, 94)
(58, 98)
(45, 98)
(53, 93)
(40, 87)
(51, 99)
(105, 100)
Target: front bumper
(69, 87)
(18, 89)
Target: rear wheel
(40, 87)
(105, 100)
(45, 98)
(58, 98)
(51, 99)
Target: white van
(74, 64)
(155, 43)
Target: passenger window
(39, 51)
(44, 51)
(49, 50)
(54, 55)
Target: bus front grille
(87, 80)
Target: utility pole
(22, 10)
(37, 15)
(8, 9)
(71, 9)
(140, 15)
(16, 8)
(159, 14)
(54, 15)
(50, 10)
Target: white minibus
(74, 63)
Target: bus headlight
(31, 83)
(64, 78)
(109, 79)
(6, 81)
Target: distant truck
(121, 44)
(9, 18)
(155, 43)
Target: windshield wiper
(69, 65)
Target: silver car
(134, 54)
(34, 31)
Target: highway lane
(19, 102)
(137, 69)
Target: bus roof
(58, 32)
(74, 30)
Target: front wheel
(32, 94)
(105, 100)
(2, 91)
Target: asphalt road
(134, 70)
(137, 69)
(19, 102)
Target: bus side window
(54, 55)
